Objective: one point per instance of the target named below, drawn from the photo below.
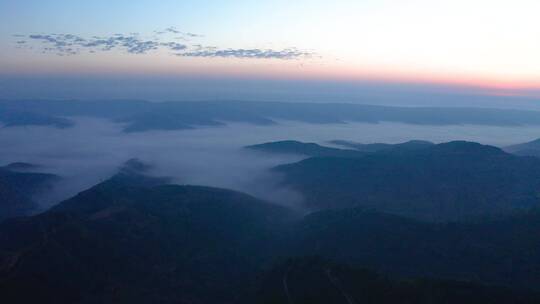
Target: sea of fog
(93, 150)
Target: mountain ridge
(140, 116)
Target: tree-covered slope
(124, 242)
(310, 280)
(451, 181)
(18, 188)
(502, 251)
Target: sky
(479, 46)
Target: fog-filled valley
(226, 205)
(92, 149)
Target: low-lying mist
(94, 149)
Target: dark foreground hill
(444, 182)
(502, 252)
(135, 239)
(317, 281)
(18, 188)
(124, 242)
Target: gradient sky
(493, 45)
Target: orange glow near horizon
(488, 85)
(485, 46)
(160, 65)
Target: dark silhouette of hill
(137, 239)
(311, 280)
(378, 147)
(18, 186)
(300, 148)
(132, 239)
(20, 166)
(444, 182)
(24, 117)
(353, 149)
(531, 148)
(504, 251)
(135, 172)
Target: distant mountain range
(531, 148)
(19, 117)
(141, 116)
(353, 149)
(306, 149)
(378, 147)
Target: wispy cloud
(290, 53)
(175, 46)
(180, 34)
(134, 43)
(69, 44)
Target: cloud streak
(134, 43)
(249, 53)
(69, 44)
(173, 30)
